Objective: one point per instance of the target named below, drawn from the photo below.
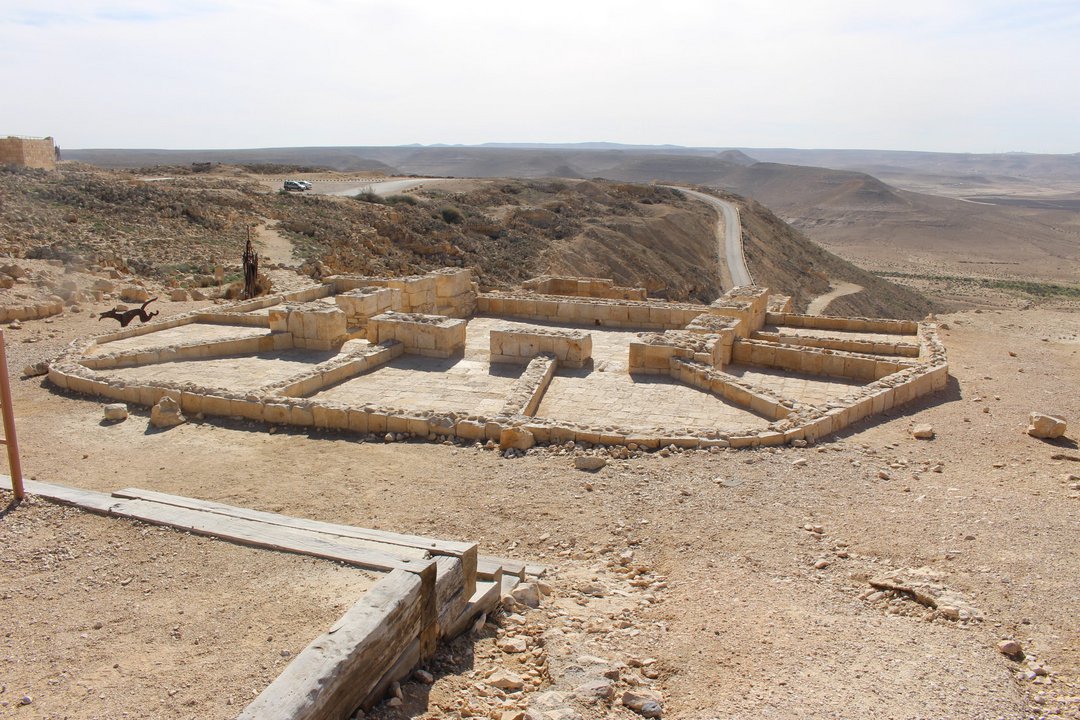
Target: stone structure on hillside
(558, 360)
(28, 152)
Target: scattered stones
(590, 463)
(166, 413)
(923, 431)
(424, 677)
(1046, 427)
(115, 412)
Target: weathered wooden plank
(450, 590)
(465, 551)
(483, 600)
(486, 565)
(340, 669)
(260, 534)
(409, 659)
(85, 499)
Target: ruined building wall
(28, 152)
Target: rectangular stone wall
(583, 287)
(815, 361)
(429, 335)
(363, 303)
(28, 152)
(573, 348)
(653, 353)
(828, 322)
(589, 311)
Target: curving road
(729, 233)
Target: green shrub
(401, 200)
(452, 215)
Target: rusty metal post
(14, 464)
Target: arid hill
(1009, 217)
(178, 227)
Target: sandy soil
(695, 573)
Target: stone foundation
(573, 348)
(688, 343)
(428, 335)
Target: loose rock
(1046, 426)
(115, 412)
(590, 463)
(166, 413)
(923, 432)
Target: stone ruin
(558, 360)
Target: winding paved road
(729, 233)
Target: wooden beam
(465, 551)
(487, 565)
(340, 669)
(257, 534)
(85, 499)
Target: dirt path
(817, 305)
(273, 247)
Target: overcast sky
(948, 75)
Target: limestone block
(517, 438)
(300, 415)
(276, 413)
(470, 430)
(358, 420)
(1046, 426)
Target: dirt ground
(735, 585)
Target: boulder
(179, 295)
(166, 413)
(1046, 426)
(134, 294)
(115, 412)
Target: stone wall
(28, 152)
(583, 287)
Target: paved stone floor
(183, 335)
(812, 389)
(231, 373)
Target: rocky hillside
(177, 227)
